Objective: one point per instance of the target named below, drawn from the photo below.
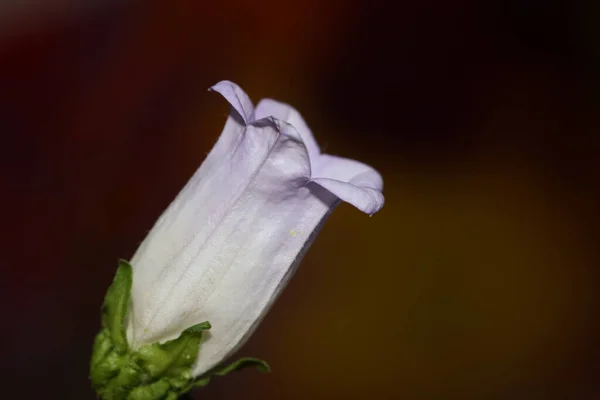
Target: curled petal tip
(238, 99)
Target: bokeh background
(478, 280)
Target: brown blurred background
(478, 280)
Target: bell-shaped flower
(229, 242)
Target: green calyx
(158, 371)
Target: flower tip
(376, 207)
(236, 97)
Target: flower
(227, 245)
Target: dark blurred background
(478, 280)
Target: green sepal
(246, 362)
(109, 354)
(116, 302)
(156, 390)
(157, 371)
(174, 358)
(242, 363)
(200, 382)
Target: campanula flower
(230, 241)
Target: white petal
(192, 218)
(238, 251)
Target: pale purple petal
(365, 199)
(347, 170)
(238, 99)
(288, 114)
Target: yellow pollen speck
(293, 233)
